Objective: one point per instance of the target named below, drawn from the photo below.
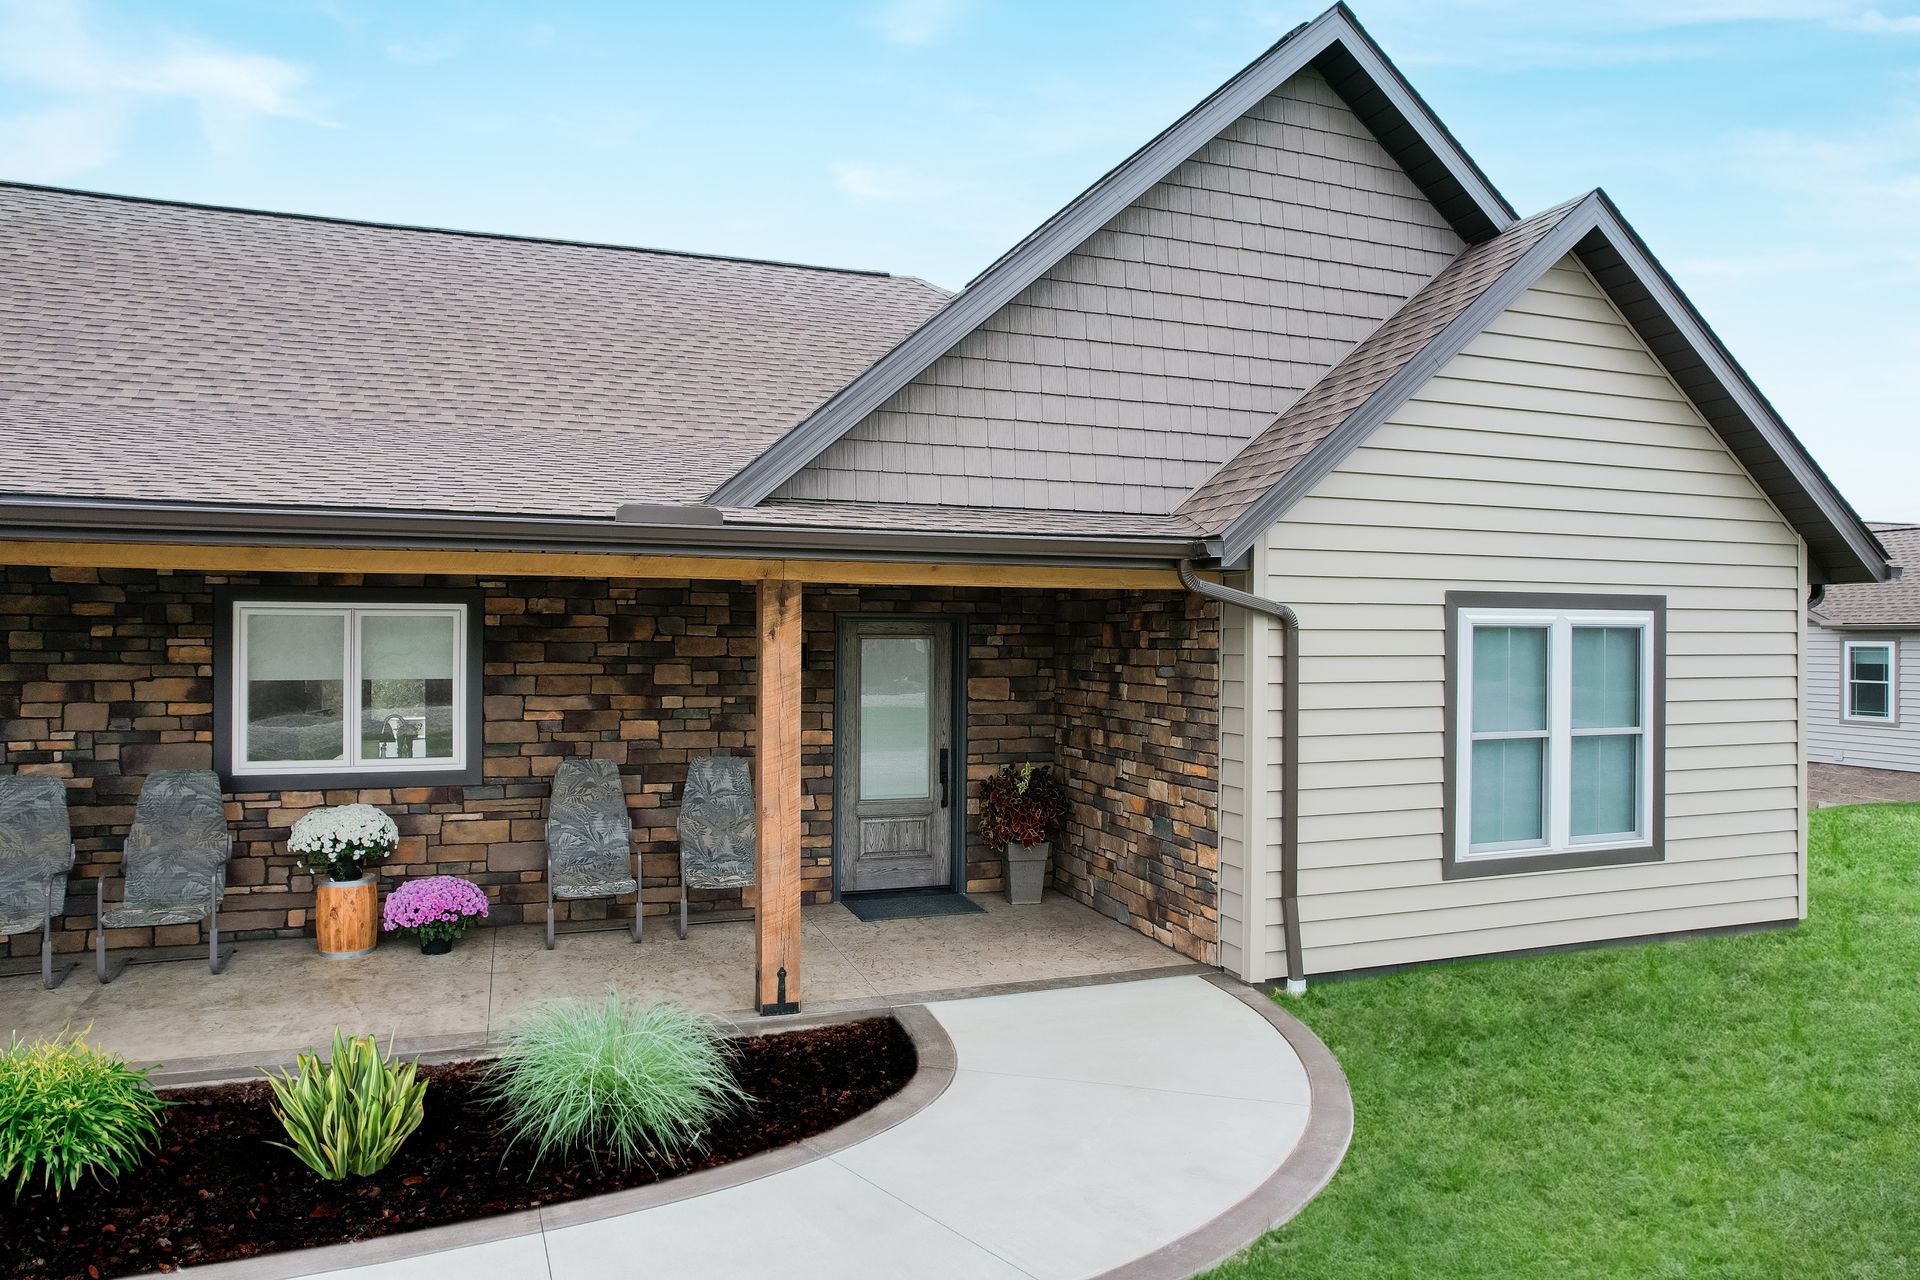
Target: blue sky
(1768, 150)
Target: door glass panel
(1606, 784)
(296, 687)
(896, 683)
(1509, 790)
(1606, 677)
(1509, 679)
(406, 686)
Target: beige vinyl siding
(1252, 933)
(1126, 375)
(1233, 792)
(1832, 740)
(1552, 454)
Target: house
(1863, 665)
(1390, 577)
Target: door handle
(944, 752)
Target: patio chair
(174, 864)
(590, 837)
(36, 855)
(716, 827)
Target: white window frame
(1847, 713)
(351, 761)
(1560, 733)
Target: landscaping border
(933, 1073)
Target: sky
(1767, 150)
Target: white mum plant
(339, 841)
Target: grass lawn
(1745, 1106)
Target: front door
(893, 730)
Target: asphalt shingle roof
(178, 352)
(1879, 604)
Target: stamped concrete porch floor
(277, 997)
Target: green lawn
(1743, 1106)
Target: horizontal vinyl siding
(1125, 376)
(1553, 454)
(1832, 740)
(1233, 793)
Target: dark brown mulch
(216, 1190)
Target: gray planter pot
(1026, 873)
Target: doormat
(910, 904)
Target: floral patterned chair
(174, 864)
(36, 855)
(590, 837)
(716, 827)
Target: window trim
(1485, 607)
(1847, 714)
(470, 735)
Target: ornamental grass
(70, 1109)
(613, 1078)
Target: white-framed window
(321, 687)
(1870, 688)
(1555, 734)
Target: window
(342, 691)
(1872, 686)
(1555, 731)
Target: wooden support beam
(776, 912)
(218, 558)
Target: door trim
(956, 625)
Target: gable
(1137, 364)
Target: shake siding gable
(1127, 374)
(1553, 454)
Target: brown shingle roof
(1879, 604)
(179, 352)
(1329, 402)
(904, 516)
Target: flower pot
(435, 946)
(1026, 872)
(346, 916)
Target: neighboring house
(1863, 665)
(275, 482)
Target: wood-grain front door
(894, 731)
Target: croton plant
(1022, 804)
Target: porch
(279, 996)
(125, 660)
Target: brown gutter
(1289, 757)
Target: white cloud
(879, 182)
(1875, 23)
(914, 22)
(100, 76)
(421, 53)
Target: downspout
(1289, 757)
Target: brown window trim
(224, 598)
(1654, 849)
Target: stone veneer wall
(107, 675)
(1139, 712)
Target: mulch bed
(216, 1190)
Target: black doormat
(909, 904)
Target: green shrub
(69, 1108)
(612, 1077)
(347, 1117)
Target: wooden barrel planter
(346, 916)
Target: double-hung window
(348, 689)
(1555, 739)
(1872, 684)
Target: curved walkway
(1136, 1129)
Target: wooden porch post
(776, 914)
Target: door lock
(944, 753)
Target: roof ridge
(509, 236)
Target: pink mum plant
(434, 909)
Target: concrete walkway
(1142, 1126)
